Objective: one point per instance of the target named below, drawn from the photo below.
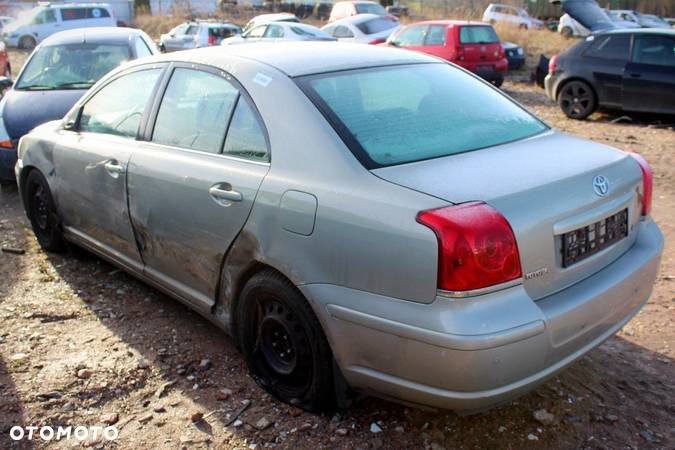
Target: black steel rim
(40, 208)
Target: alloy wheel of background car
(42, 213)
(577, 100)
(283, 343)
(27, 43)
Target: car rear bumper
(550, 86)
(471, 354)
(7, 163)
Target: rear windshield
(478, 35)
(370, 8)
(400, 114)
(377, 25)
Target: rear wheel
(284, 345)
(42, 213)
(27, 43)
(498, 81)
(577, 99)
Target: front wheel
(27, 43)
(577, 100)
(42, 213)
(498, 81)
(283, 343)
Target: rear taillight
(6, 144)
(476, 246)
(377, 41)
(552, 63)
(647, 183)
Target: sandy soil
(82, 343)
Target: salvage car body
(345, 232)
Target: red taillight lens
(6, 144)
(552, 63)
(647, 183)
(376, 41)
(477, 247)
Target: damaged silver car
(421, 237)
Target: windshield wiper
(74, 84)
(34, 87)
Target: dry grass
(534, 42)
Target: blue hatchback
(56, 75)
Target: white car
(498, 13)
(569, 27)
(279, 31)
(354, 7)
(46, 19)
(197, 34)
(267, 18)
(362, 28)
(641, 20)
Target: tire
(27, 43)
(42, 213)
(523, 26)
(567, 32)
(498, 81)
(577, 99)
(283, 343)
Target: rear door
(649, 79)
(606, 60)
(91, 164)
(192, 185)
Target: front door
(90, 165)
(192, 186)
(649, 78)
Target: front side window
(179, 30)
(70, 66)
(613, 47)
(257, 32)
(377, 25)
(195, 110)
(655, 50)
(192, 30)
(435, 35)
(46, 16)
(73, 13)
(410, 36)
(245, 137)
(118, 107)
(274, 31)
(395, 115)
(478, 35)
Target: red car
(472, 45)
(5, 70)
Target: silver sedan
(357, 218)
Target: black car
(622, 69)
(514, 54)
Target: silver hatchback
(357, 218)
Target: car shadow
(171, 366)
(12, 409)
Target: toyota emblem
(601, 185)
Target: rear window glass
(395, 115)
(370, 8)
(477, 35)
(376, 25)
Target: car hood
(588, 13)
(21, 115)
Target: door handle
(224, 191)
(114, 168)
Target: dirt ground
(82, 343)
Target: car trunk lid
(544, 187)
(479, 44)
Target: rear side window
(477, 35)
(342, 32)
(610, 47)
(245, 137)
(377, 25)
(410, 36)
(195, 110)
(655, 50)
(118, 107)
(46, 16)
(274, 31)
(435, 35)
(257, 31)
(73, 13)
(395, 115)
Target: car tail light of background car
(377, 41)
(647, 183)
(476, 246)
(552, 64)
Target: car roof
(92, 35)
(273, 17)
(359, 18)
(663, 31)
(298, 58)
(76, 5)
(450, 22)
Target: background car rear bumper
(470, 354)
(7, 162)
